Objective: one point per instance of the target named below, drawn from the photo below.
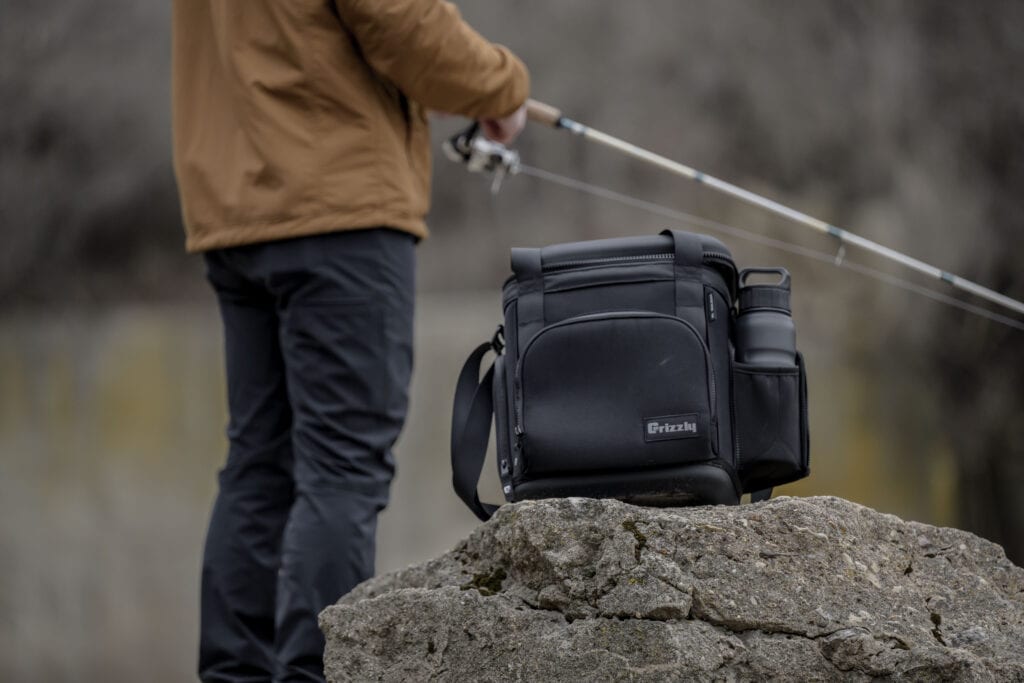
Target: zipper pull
(517, 438)
(711, 306)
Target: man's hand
(505, 130)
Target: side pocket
(773, 445)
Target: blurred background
(901, 121)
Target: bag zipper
(711, 256)
(519, 428)
(737, 450)
(719, 257)
(715, 256)
(607, 260)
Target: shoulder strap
(471, 429)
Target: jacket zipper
(520, 429)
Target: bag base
(687, 485)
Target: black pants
(318, 343)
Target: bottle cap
(764, 297)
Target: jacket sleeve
(435, 58)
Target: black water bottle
(765, 334)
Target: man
(302, 158)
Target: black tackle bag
(616, 377)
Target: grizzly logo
(670, 427)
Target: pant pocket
(772, 439)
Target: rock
(597, 590)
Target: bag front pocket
(615, 391)
(771, 432)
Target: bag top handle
(526, 263)
(689, 251)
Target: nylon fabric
(621, 380)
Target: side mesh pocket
(773, 444)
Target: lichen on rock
(597, 590)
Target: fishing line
(740, 233)
(551, 116)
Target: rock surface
(791, 589)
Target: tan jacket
(297, 117)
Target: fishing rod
(700, 223)
(483, 155)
